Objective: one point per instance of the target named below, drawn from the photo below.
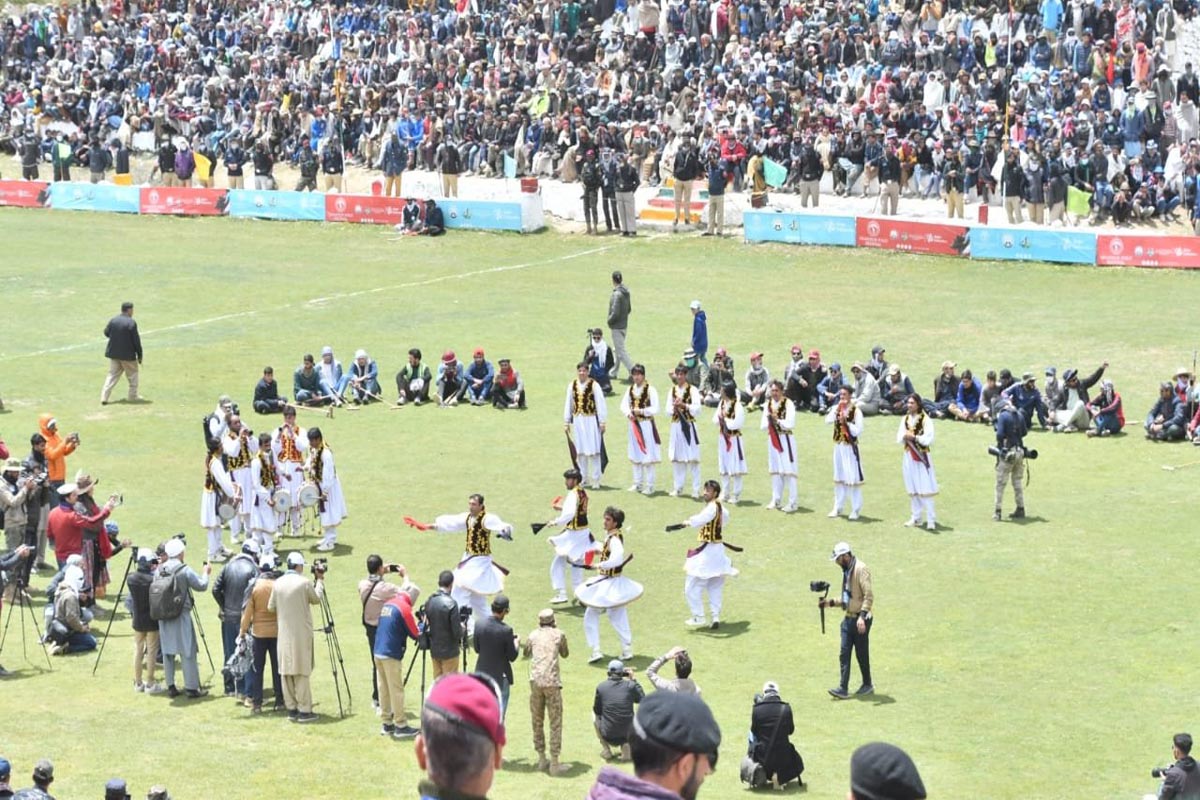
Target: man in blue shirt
(966, 405)
(1010, 464)
(699, 333)
(1027, 399)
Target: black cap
(500, 603)
(881, 771)
(678, 721)
(573, 474)
(115, 789)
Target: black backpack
(167, 594)
(209, 441)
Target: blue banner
(483, 214)
(95, 197)
(1034, 244)
(308, 206)
(774, 226)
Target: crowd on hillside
(929, 96)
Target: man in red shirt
(65, 525)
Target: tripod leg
(203, 639)
(37, 629)
(116, 605)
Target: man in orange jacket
(57, 449)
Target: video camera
(1010, 454)
(822, 588)
(320, 566)
(1158, 772)
(464, 613)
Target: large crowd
(926, 97)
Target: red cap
(448, 357)
(478, 351)
(721, 351)
(469, 700)
(814, 353)
(755, 355)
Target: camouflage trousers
(545, 700)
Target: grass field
(1036, 660)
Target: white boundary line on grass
(318, 301)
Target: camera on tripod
(464, 614)
(320, 566)
(1010, 454)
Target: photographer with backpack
(171, 605)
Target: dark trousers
(229, 634)
(371, 631)
(860, 643)
(590, 214)
(609, 203)
(263, 648)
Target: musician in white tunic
(779, 421)
(332, 505)
(639, 405)
(847, 422)
(476, 577)
(584, 416)
(684, 446)
(708, 564)
(575, 541)
(264, 517)
(218, 488)
(916, 436)
(289, 443)
(729, 418)
(610, 592)
(240, 447)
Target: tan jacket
(862, 597)
(255, 616)
(292, 599)
(544, 646)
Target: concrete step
(666, 192)
(669, 202)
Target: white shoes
(931, 525)
(635, 488)
(912, 522)
(695, 622)
(695, 494)
(559, 597)
(648, 491)
(771, 506)
(673, 493)
(326, 547)
(832, 514)
(596, 656)
(627, 653)
(789, 508)
(853, 516)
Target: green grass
(1041, 660)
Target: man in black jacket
(145, 628)
(124, 353)
(496, 645)
(685, 169)
(266, 394)
(1181, 781)
(445, 627)
(230, 592)
(308, 169)
(770, 726)
(613, 709)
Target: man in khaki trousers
(124, 352)
(292, 600)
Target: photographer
(177, 636)
(66, 526)
(15, 492)
(858, 599)
(229, 591)
(612, 709)
(37, 508)
(1010, 458)
(496, 644)
(445, 627)
(683, 670)
(771, 724)
(396, 625)
(69, 632)
(263, 624)
(374, 591)
(1181, 780)
(292, 599)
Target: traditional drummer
(610, 592)
(240, 448)
(290, 445)
(264, 513)
(216, 501)
(476, 577)
(332, 503)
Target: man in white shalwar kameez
(584, 416)
(729, 418)
(575, 541)
(240, 448)
(639, 405)
(707, 565)
(332, 503)
(289, 443)
(916, 435)
(779, 421)
(218, 488)
(847, 422)
(610, 592)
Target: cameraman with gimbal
(445, 627)
(1010, 456)
(1181, 780)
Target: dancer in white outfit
(779, 420)
(729, 418)
(640, 405)
(684, 446)
(708, 565)
(264, 517)
(916, 435)
(575, 542)
(289, 443)
(218, 488)
(847, 422)
(240, 447)
(585, 414)
(610, 592)
(476, 577)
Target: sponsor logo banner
(1033, 244)
(1148, 251)
(183, 201)
(24, 194)
(791, 228)
(308, 206)
(94, 197)
(913, 237)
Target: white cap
(146, 554)
(67, 488)
(326, 350)
(770, 687)
(74, 560)
(360, 353)
(840, 549)
(174, 548)
(268, 561)
(295, 559)
(695, 305)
